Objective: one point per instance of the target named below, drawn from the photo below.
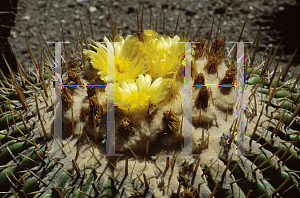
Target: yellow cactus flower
(165, 55)
(172, 87)
(132, 96)
(129, 58)
(149, 35)
(98, 59)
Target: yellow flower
(132, 96)
(149, 35)
(98, 59)
(165, 56)
(129, 58)
(173, 88)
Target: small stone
(220, 10)
(77, 16)
(130, 10)
(24, 51)
(27, 17)
(151, 5)
(41, 3)
(171, 19)
(190, 12)
(71, 4)
(173, 7)
(116, 5)
(266, 28)
(264, 22)
(56, 5)
(251, 16)
(125, 25)
(92, 9)
(196, 16)
(13, 34)
(101, 17)
(164, 6)
(245, 10)
(281, 8)
(262, 47)
(80, 2)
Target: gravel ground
(277, 18)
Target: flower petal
(132, 86)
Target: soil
(277, 19)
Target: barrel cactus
(150, 117)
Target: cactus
(150, 128)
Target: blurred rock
(27, 17)
(164, 6)
(262, 47)
(24, 51)
(220, 10)
(196, 16)
(13, 34)
(245, 10)
(170, 19)
(130, 10)
(190, 12)
(151, 5)
(80, 2)
(71, 4)
(92, 9)
(173, 7)
(116, 4)
(42, 3)
(251, 16)
(125, 25)
(77, 16)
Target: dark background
(277, 19)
